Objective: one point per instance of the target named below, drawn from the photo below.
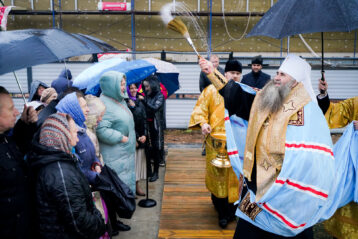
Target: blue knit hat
(70, 105)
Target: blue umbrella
(168, 74)
(292, 17)
(135, 71)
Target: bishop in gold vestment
(344, 223)
(287, 145)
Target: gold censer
(219, 143)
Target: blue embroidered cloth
(315, 180)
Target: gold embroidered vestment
(222, 182)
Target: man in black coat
(256, 78)
(15, 206)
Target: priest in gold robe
(344, 223)
(208, 115)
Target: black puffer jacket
(140, 121)
(15, 200)
(154, 105)
(64, 202)
(14, 191)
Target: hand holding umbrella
(292, 17)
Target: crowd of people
(68, 150)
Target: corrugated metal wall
(178, 112)
(342, 84)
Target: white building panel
(342, 83)
(178, 112)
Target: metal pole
(53, 13)
(198, 5)
(281, 48)
(322, 66)
(322, 58)
(247, 5)
(32, 4)
(22, 93)
(60, 7)
(355, 47)
(210, 25)
(29, 78)
(149, 5)
(76, 5)
(288, 44)
(163, 56)
(271, 3)
(133, 30)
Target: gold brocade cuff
(217, 79)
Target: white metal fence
(342, 84)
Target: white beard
(272, 96)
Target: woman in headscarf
(95, 115)
(64, 202)
(75, 105)
(36, 89)
(115, 132)
(154, 105)
(140, 121)
(63, 81)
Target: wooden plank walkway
(187, 210)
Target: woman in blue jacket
(116, 134)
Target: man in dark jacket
(15, 203)
(63, 81)
(203, 80)
(256, 78)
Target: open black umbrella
(292, 17)
(24, 48)
(30, 47)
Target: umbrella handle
(18, 83)
(322, 66)
(322, 79)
